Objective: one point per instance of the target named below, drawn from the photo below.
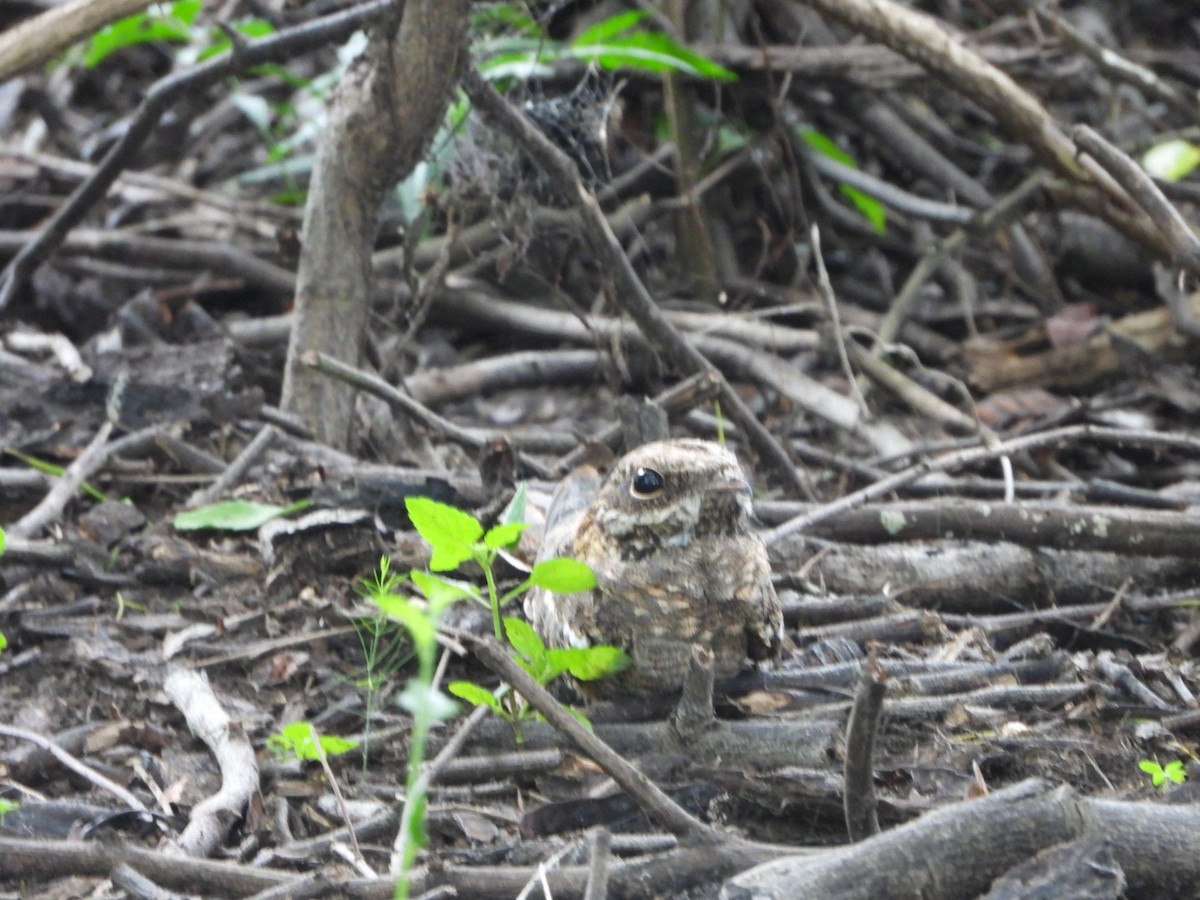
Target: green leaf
(441, 592)
(3, 541)
(1175, 771)
(476, 695)
(1154, 770)
(643, 50)
(651, 52)
(451, 532)
(300, 739)
(524, 639)
(412, 617)
(563, 575)
(874, 211)
(7, 806)
(589, 663)
(234, 515)
(142, 28)
(610, 27)
(1171, 160)
(503, 535)
(3, 642)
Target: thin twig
(657, 804)
(192, 82)
(74, 765)
(628, 288)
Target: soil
(991, 398)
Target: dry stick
(825, 288)
(695, 713)
(45, 860)
(657, 804)
(238, 468)
(41, 37)
(190, 83)
(930, 43)
(135, 884)
(630, 293)
(213, 817)
(1122, 69)
(471, 438)
(74, 765)
(858, 798)
(997, 216)
(976, 455)
(51, 507)
(597, 883)
(1182, 241)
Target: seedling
(420, 698)
(457, 537)
(1172, 772)
(49, 468)
(544, 664)
(301, 740)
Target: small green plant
(545, 665)
(384, 650)
(57, 471)
(7, 806)
(457, 537)
(1164, 776)
(420, 697)
(303, 741)
(175, 24)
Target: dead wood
(1119, 530)
(629, 290)
(981, 578)
(37, 39)
(158, 100)
(958, 850)
(382, 120)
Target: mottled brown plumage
(668, 535)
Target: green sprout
(1163, 776)
(303, 741)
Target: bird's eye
(646, 484)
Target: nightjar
(669, 537)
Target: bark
(381, 121)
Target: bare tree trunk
(382, 119)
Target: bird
(668, 534)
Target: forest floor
(987, 542)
